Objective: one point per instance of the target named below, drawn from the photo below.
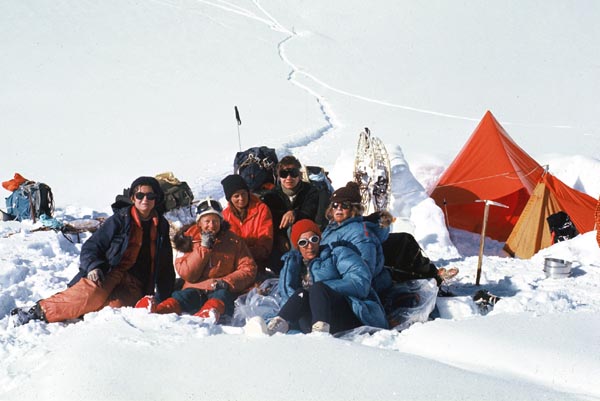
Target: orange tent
(551, 195)
(490, 166)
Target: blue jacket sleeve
(289, 277)
(355, 275)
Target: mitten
(96, 275)
(208, 240)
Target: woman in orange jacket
(249, 218)
(216, 267)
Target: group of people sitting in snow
(330, 274)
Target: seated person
(129, 256)
(291, 200)
(324, 288)
(250, 219)
(216, 267)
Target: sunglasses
(149, 195)
(294, 172)
(303, 242)
(207, 205)
(344, 205)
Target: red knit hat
(302, 226)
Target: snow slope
(95, 94)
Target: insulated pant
(319, 303)
(192, 299)
(118, 289)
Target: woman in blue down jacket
(347, 225)
(324, 288)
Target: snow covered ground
(97, 93)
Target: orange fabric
(135, 243)
(118, 289)
(532, 233)
(598, 222)
(169, 305)
(212, 303)
(13, 184)
(256, 229)
(229, 259)
(490, 166)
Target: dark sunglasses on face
(294, 172)
(303, 242)
(344, 205)
(205, 205)
(149, 195)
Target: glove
(96, 275)
(208, 240)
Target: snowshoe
(372, 172)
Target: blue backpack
(30, 201)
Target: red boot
(214, 307)
(169, 305)
(148, 302)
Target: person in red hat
(324, 288)
(128, 257)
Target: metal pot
(557, 268)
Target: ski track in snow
(325, 108)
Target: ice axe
(239, 122)
(486, 211)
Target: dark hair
(289, 160)
(149, 181)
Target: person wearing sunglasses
(346, 223)
(250, 219)
(127, 258)
(291, 200)
(215, 265)
(324, 288)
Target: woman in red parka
(216, 266)
(249, 218)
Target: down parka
(256, 229)
(342, 269)
(229, 259)
(106, 247)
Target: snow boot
(256, 326)
(320, 327)
(148, 302)
(277, 325)
(169, 305)
(485, 297)
(20, 316)
(485, 301)
(213, 308)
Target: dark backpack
(257, 167)
(177, 193)
(29, 201)
(561, 227)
